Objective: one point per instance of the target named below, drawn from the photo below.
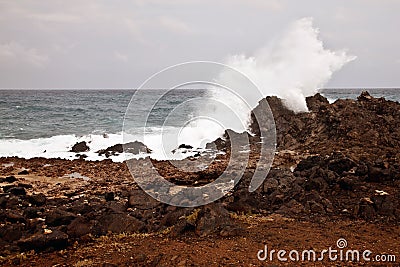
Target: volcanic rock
(59, 217)
(24, 172)
(140, 200)
(15, 190)
(213, 218)
(11, 232)
(109, 196)
(315, 102)
(80, 147)
(119, 223)
(135, 147)
(56, 240)
(10, 179)
(37, 199)
(185, 146)
(79, 227)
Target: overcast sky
(118, 44)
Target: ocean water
(47, 123)
(334, 94)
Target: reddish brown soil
(190, 250)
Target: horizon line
(127, 88)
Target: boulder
(10, 179)
(140, 200)
(119, 223)
(135, 147)
(80, 147)
(212, 219)
(185, 146)
(59, 217)
(11, 232)
(16, 190)
(79, 227)
(24, 172)
(37, 199)
(39, 242)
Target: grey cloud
(54, 43)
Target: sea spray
(292, 66)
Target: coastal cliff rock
(367, 125)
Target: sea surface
(47, 123)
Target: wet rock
(80, 147)
(185, 146)
(345, 125)
(135, 147)
(81, 156)
(39, 242)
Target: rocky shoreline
(338, 162)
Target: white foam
(60, 146)
(293, 65)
